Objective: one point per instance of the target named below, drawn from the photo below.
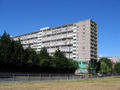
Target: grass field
(108, 83)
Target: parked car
(99, 75)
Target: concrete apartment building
(77, 40)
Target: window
(74, 50)
(74, 46)
(83, 62)
(74, 42)
(83, 32)
(74, 58)
(74, 38)
(83, 48)
(74, 25)
(74, 35)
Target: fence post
(13, 78)
(40, 77)
(28, 77)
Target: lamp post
(69, 49)
(69, 58)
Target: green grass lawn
(108, 83)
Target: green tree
(105, 65)
(43, 53)
(72, 65)
(45, 60)
(117, 68)
(5, 45)
(60, 61)
(31, 61)
(31, 57)
(63, 64)
(17, 51)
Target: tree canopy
(117, 68)
(105, 65)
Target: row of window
(60, 46)
(61, 39)
(60, 27)
(61, 33)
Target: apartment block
(77, 40)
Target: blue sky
(23, 16)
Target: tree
(17, 53)
(117, 68)
(63, 64)
(60, 61)
(43, 53)
(11, 53)
(92, 66)
(32, 57)
(72, 65)
(104, 68)
(45, 60)
(31, 60)
(5, 52)
(105, 65)
(5, 45)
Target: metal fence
(41, 77)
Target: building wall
(83, 40)
(86, 43)
(28, 39)
(58, 37)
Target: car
(99, 75)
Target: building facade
(77, 40)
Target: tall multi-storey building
(77, 40)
